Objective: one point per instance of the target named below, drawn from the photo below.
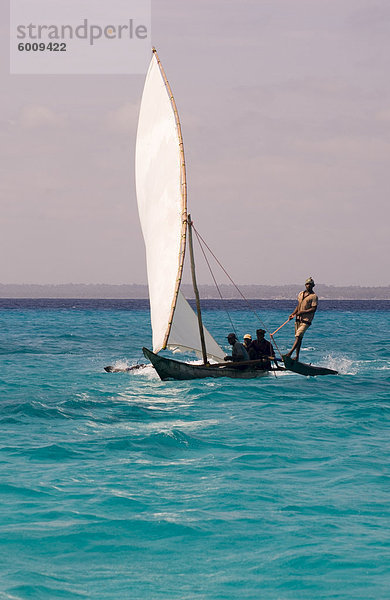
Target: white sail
(162, 206)
(184, 334)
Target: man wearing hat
(239, 352)
(248, 346)
(262, 349)
(247, 341)
(304, 314)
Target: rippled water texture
(121, 486)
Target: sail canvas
(162, 206)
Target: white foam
(122, 364)
(342, 364)
(147, 371)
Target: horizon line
(271, 285)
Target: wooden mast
(183, 183)
(195, 286)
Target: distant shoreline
(135, 291)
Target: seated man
(239, 352)
(248, 346)
(262, 349)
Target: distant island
(252, 292)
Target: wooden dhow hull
(168, 368)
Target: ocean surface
(120, 486)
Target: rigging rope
(215, 281)
(200, 239)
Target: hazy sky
(285, 109)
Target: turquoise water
(122, 486)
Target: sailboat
(161, 187)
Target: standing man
(304, 315)
(239, 352)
